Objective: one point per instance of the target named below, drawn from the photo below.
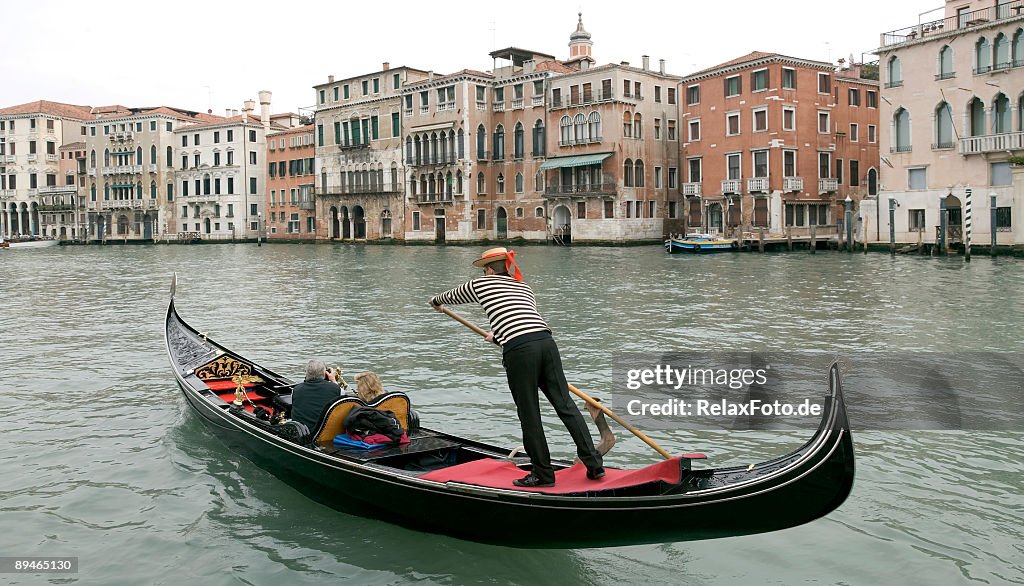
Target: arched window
(982, 56)
(481, 183)
(152, 155)
(138, 190)
(433, 148)
(627, 173)
(1017, 49)
(501, 183)
(92, 159)
(444, 147)
(895, 72)
(580, 128)
(408, 150)
(595, 126)
(170, 157)
(499, 143)
(462, 144)
(637, 126)
(565, 130)
(538, 138)
(106, 191)
(638, 173)
(1001, 122)
(138, 156)
(152, 189)
(901, 130)
(627, 124)
(519, 141)
(106, 157)
(946, 62)
(976, 112)
(519, 182)
(538, 212)
(458, 182)
(206, 184)
(1001, 51)
(92, 192)
(1020, 113)
(943, 126)
(449, 185)
(872, 181)
(481, 142)
(451, 147)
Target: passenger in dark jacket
(313, 395)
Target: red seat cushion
(225, 384)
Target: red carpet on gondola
(500, 474)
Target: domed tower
(580, 43)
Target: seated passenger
(315, 393)
(368, 386)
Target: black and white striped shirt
(510, 305)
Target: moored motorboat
(447, 484)
(697, 242)
(33, 242)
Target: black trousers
(537, 365)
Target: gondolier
(531, 360)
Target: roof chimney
(661, 66)
(624, 63)
(529, 66)
(330, 79)
(247, 108)
(647, 62)
(265, 108)
(430, 75)
(387, 66)
(228, 112)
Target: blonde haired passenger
(368, 386)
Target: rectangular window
(759, 80)
(673, 177)
(396, 81)
(636, 90)
(657, 128)
(1004, 221)
(694, 167)
(671, 95)
(345, 91)
(872, 99)
(788, 78)
(760, 159)
(788, 118)
(252, 157)
(216, 136)
(252, 136)
(323, 96)
(672, 130)
(693, 95)
(839, 171)
(1000, 173)
(789, 163)
(917, 178)
(396, 128)
(657, 177)
(732, 124)
(824, 83)
(872, 133)
(184, 138)
(231, 157)
(231, 184)
(252, 186)
(231, 135)
(657, 94)
(733, 86)
(854, 173)
(694, 126)
(416, 221)
(366, 87)
(760, 119)
(823, 123)
(376, 85)
(824, 165)
(335, 90)
(732, 164)
(195, 139)
(854, 132)
(320, 134)
(854, 97)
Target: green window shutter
(355, 132)
(366, 130)
(337, 133)
(396, 129)
(375, 126)
(320, 133)
(344, 126)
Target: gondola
(456, 486)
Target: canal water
(101, 459)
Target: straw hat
(490, 256)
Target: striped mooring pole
(967, 225)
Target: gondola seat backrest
(332, 422)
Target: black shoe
(531, 480)
(595, 473)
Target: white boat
(34, 242)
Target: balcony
(901, 148)
(480, 105)
(982, 17)
(435, 198)
(499, 106)
(603, 189)
(33, 191)
(122, 136)
(353, 146)
(363, 190)
(51, 158)
(734, 186)
(975, 145)
(757, 185)
(58, 189)
(446, 159)
(446, 107)
(91, 172)
(7, 158)
(424, 110)
(792, 184)
(307, 205)
(8, 193)
(581, 100)
(32, 157)
(691, 189)
(828, 185)
(537, 101)
(152, 168)
(517, 104)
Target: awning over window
(574, 161)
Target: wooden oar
(575, 391)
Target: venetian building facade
(63, 206)
(30, 137)
(359, 154)
(221, 175)
(291, 184)
(776, 144)
(129, 185)
(952, 118)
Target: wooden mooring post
(814, 240)
(760, 239)
(789, 240)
